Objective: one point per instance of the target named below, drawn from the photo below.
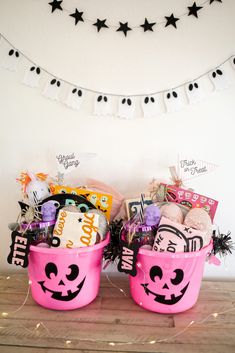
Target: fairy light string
(68, 342)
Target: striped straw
(141, 213)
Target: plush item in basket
(175, 237)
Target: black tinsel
(112, 251)
(222, 244)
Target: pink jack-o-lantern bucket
(168, 282)
(65, 279)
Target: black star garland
(77, 16)
(194, 9)
(100, 24)
(55, 5)
(124, 28)
(171, 20)
(147, 26)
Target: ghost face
(167, 286)
(219, 79)
(64, 282)
(126, 108)
(173, 101)
(75, 98)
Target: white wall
(130, 153)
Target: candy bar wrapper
(75, 229)
(191, 199)
(175, 237)
(101, 201)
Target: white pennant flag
(232, 62)
(219, 79)
(52, 89)
(68, 162)
(74, 98)
(151, 106)
(103, 104)
(189, 168)
(11, 60)
(194, 91)
(173, 100)
(126, 107)
(32, 76)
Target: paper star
(77, 16)
(147, 26)
(55, 5)
(124, 28)
(100, 24)
(211, 1)
(171, 20)
(194, 9)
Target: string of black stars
(123, 27)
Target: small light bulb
(4, 314)
(38, 325)
(140, 303)
(192, 322)
(215, 314)
(138, 264)
(152, 342)
(111, 343)
(30, 282)
(68, 342)
(8, 277)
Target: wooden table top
(114, 323)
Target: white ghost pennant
(150, 106)
(11, 60)
(32, 76)
(75, 98)
(126, 107)
(53, 89)
(194, 91)
(103, 104)
(173, 100)
(219, 78)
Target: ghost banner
(125, 106)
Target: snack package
(75, 229)
(191, 199)
(176, 237)
(101, 201)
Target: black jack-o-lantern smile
(178, 276)
(50, 269)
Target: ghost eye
(155, 271)
(51, 268)
(179, 275)
(63, 191)
(56, 204)
(73, 193)
(74, 273)
(83, 208)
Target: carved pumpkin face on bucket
(167, 285)
(62, 283)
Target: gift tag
(19, 249)
(128, 257)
